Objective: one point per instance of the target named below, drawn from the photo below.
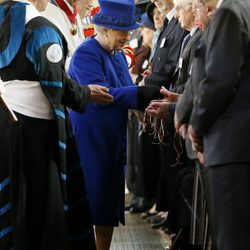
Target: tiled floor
(138, 235)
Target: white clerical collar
(171, 14)
(219, 4)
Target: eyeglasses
(124, 32)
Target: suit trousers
(227, 189)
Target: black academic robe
(43, 201)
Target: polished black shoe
(154, 219)
(159, 225)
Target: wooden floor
(138, 235)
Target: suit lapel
(169, 27)
(186, 50)
(190, 43)
(164, 36)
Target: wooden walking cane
(6, 107)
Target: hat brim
(110, 26)
(142, 2)
(149, 11)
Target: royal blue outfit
(101, 131)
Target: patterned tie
(184, 43)
(165, 23)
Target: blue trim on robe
(1, 15)
(5, 209)
(55, 84)
(17, 27)
(65, 207)
(4, 183)
(5, 231)
(60, 113)
(62, 145)
(63, 176)
(40, 37)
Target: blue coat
(101, 130)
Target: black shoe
(154, 219)
(160, 224)
(138, 209)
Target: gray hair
(183, 2)
(100, 29)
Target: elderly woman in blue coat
(101, 131)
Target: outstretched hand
(158, 109)
(168, 95)
(100, 95)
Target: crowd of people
(170, 120)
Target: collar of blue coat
(12, 27)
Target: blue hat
(146, 22)
(116, 14)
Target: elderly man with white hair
(220, 121)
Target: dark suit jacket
(182, 71)
(166, 55)
(184, 105)
(222, 104)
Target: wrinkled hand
(169, 96)
(183, 131)
(200, 157)
(146, 72)
(158, 109)
(99, 94)
(141, 83)
(180, 128)
(197, 141)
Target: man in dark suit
(168, 48)
(199, 225)
(221, 117)
(179, 214)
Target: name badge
(180, 62)
(191, 69)
(133, 43)
(145, 64)
(163, 42)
